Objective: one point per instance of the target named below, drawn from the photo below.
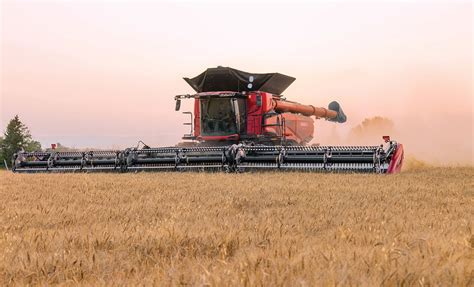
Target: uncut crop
(270, 229)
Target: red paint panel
(256, 112)
(253, 115)
(396, 163)
(197, 118)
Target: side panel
(253, 115)
(197, 118)
(258, 103)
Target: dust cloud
(426, 144)
(371, 130)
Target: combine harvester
(240, 122)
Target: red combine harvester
(232, 106)
(240, 122)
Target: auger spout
(332, 113)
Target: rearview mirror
(178, 105)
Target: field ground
(415, 228)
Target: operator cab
(222, 115)
(218, 116)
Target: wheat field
(263, 229)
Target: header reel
(233, 158)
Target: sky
(104, 73)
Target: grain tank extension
(240, 121)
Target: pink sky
(104, 73)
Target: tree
(33, 146)
(1, 152)
(17, 137)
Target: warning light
(386, 138)
(53, 146)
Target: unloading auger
(241, 122)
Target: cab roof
(230, 79)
